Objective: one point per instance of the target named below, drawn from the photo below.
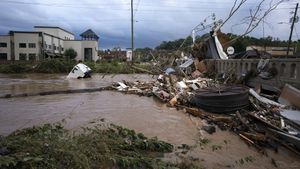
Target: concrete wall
(7, 50)
(55, 45)
(79, 47)
(76, 45)
(90, 44)
(65, 35)
(288, 70)
(53, 41)
(61, 46)
(26, 38)
(56, 32)
(47, 41)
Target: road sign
(230, 50)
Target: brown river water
(143, 114)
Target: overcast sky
(155, 20)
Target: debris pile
(258, 120)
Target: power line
(89, 6)
(296, 33)
(57, 4)
(136, 9)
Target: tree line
(239, 45)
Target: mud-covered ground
(222, 149)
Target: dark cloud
(155, 20)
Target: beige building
(47, 42)
(274, 51)
(5, 47)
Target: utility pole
(132, 35)
(292, 28)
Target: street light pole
(292, 28)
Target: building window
(3, 56)
(54, 47)
(3, 45)
(31, 45)
(50, 47)
(22, 56)
(22, 45)
(62, 49)
(32, 56)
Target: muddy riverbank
(143, 114)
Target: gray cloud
(155, 20)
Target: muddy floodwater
(35, 83)
(143, 114)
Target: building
(110, 55)
(47, 42)
(274, 51)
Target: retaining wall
(288, 70)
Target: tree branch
(256, 17)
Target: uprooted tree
(255, 17)
(248, 23)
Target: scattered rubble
(290, 96)
(260, 121)
(209, 128)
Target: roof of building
(89, 33)
(54, 27)
(36, 32)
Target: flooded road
(143, 114)
(35, 83)
(78, 110)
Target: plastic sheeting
(221, 53)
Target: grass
(52, 146)
(115, 67)
(216, 147)
(204, 141)
(63, 66)
(14, 68)
(244, 160)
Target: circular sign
(230, 50)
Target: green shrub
(70, 54)
(54, 66)
(64, 66)
(91, 65)
(15, 68)
(51, 146)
